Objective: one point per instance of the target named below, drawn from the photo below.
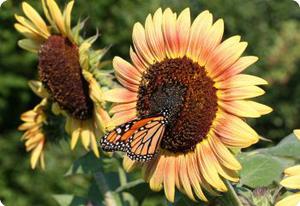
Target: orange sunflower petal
(183, 25)
(140, 43)
(198, 32)
(212, 40)
(120, 95)
(157, 178)
(169, 32)
(239, 66)
(240, 93)
(169, 178)
(123, 107)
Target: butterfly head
(165, 113)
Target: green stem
(109, 199)
(231, 195)
(122, 176)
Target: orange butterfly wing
(139, 138)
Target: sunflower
(34, 136)
(66, 68)
(184, 67)
(292, 181)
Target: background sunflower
(270, 28)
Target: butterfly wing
(140, 138)
(145, 141)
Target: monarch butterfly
(139, 138)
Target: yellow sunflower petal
(29, 25)
(26, 126)
(34, 139)
(38, 88)
(101, 118)
(260, 108)
(93, 144)
(292, 182)
(69, 124)
(297, 133)
(129, 165)
(28, 116)
(75, 133)
(67, 19)
(36, 19)
(56, 16)
(27, 32)
(86, 134)
(295, 170)
(42, 160)
(35, 155)
(292, 200)
(29, 45)
(47, 14)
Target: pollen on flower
(60, 71)
(183, 88)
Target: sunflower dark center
(60, 71)
(184, 89)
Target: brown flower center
(184, 89)
(60, 71)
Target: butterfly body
(139, 138)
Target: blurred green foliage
(271, 27)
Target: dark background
(271, 27)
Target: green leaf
(289, 147)
(129, 199)
(262, 167)
(94, 194)
(181, 199)
(70, 200)
(87, 164)
(130, 185)
(259, 170)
